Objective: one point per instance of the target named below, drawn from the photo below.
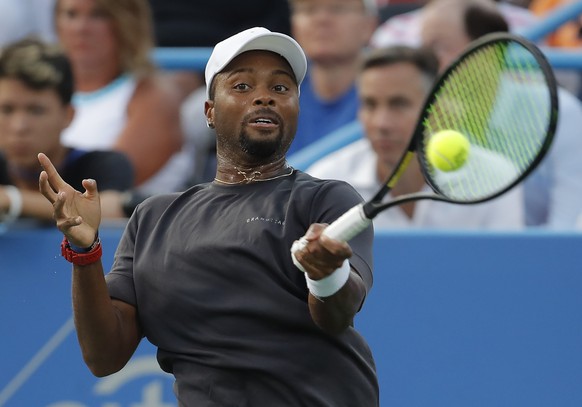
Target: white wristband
(15, 207)
(331, 284)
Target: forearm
(108, 330)
(32, 205)
(336, 291)
(107, 335)
(335, 313)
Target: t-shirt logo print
(268, 220)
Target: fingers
(334, 247)
(54, 179)
(320, 253)
(45, 188)
(337, 247)
(314, 232)
(90, 186)
(64, 222)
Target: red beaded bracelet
(93, 254)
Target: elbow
(100, 367)
(99, 372)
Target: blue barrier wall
(454, 319)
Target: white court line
(36, 361)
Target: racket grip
(343, 228)
(348, 225)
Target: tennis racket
(501, 95)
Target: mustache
(264, 112)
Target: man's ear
(70, 115)
(209, 113)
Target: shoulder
(333, 190)
(567, 101)
(158, 202)
(158, 90)
(569, 117)
(151, 209)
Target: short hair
(370, 6)
(39, 66)
(480, 19)
(133, 25)
(422, 58)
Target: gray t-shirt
(211, 275)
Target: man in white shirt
(553, 192)
(392, 86)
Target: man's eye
(5, 109)
(241, 86)
(280, 88)
(368, 105)
(400, 104)
(37, 110)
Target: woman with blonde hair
(122, 102)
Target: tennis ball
(448, 150)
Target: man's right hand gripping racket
(501, 96)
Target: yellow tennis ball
(448, 150)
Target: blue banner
(453, 319)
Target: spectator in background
(393, 84)
(332, 33)
(36, 86)
(404, 29)
(122, 102)
(187, 23)
(553, 192)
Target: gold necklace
(253, 177)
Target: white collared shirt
(356, 164)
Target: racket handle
(343, 228)
(348, 225)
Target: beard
(274, 147)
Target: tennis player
(207, 276)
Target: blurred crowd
(78, 83)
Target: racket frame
(375, 205)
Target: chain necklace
(247, 179)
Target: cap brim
(279, 43)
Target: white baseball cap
(257, 38)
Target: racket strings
(498, 98)
(533, 105)
(459, 93)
